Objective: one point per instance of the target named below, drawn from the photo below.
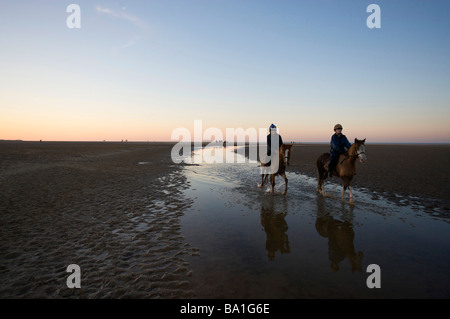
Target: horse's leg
(272, 182)
(320, 184)
(285, 183)
(262, 180)
(352, 201)
(265, 177)
(320, 188)
(321, 178)
(344, 188)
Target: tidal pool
(255, 244)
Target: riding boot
(332, 165)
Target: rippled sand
(111, 208)
(116, 210)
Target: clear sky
(137, 70)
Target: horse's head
(361, 150)
(286, 150)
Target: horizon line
(168, 141)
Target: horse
(284, 154)
(345, 168)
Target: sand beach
(90, 204)
(412, 173)
(115, 208)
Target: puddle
(254, 244)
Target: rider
(273, 130)
(339, 145)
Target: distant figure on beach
(339, 145)
(273, 130)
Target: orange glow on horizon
(116, 131)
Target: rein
(358, 153)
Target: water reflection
(273, 220)
(340, 235)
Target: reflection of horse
(275, 226)
(340, 236)
(284, 155)
(345, 168)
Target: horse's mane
(353, 147)
(357, 142)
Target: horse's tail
(320, 162)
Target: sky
(138, 70)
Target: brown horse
(284, 155)
(345, 169)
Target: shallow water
(254, 244)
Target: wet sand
(257, 244)
(111, 208)
(115, 208)
(408, 174)
(417, 174)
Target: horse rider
(339, 145)
(273, 130)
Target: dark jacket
(269, 142)
(338, 145)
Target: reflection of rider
(273, 130)
(340, 236)
(275, 227)
(339, 145)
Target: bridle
(358, 154)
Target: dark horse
(284, 155)
(345, 169)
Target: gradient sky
(137, 70)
